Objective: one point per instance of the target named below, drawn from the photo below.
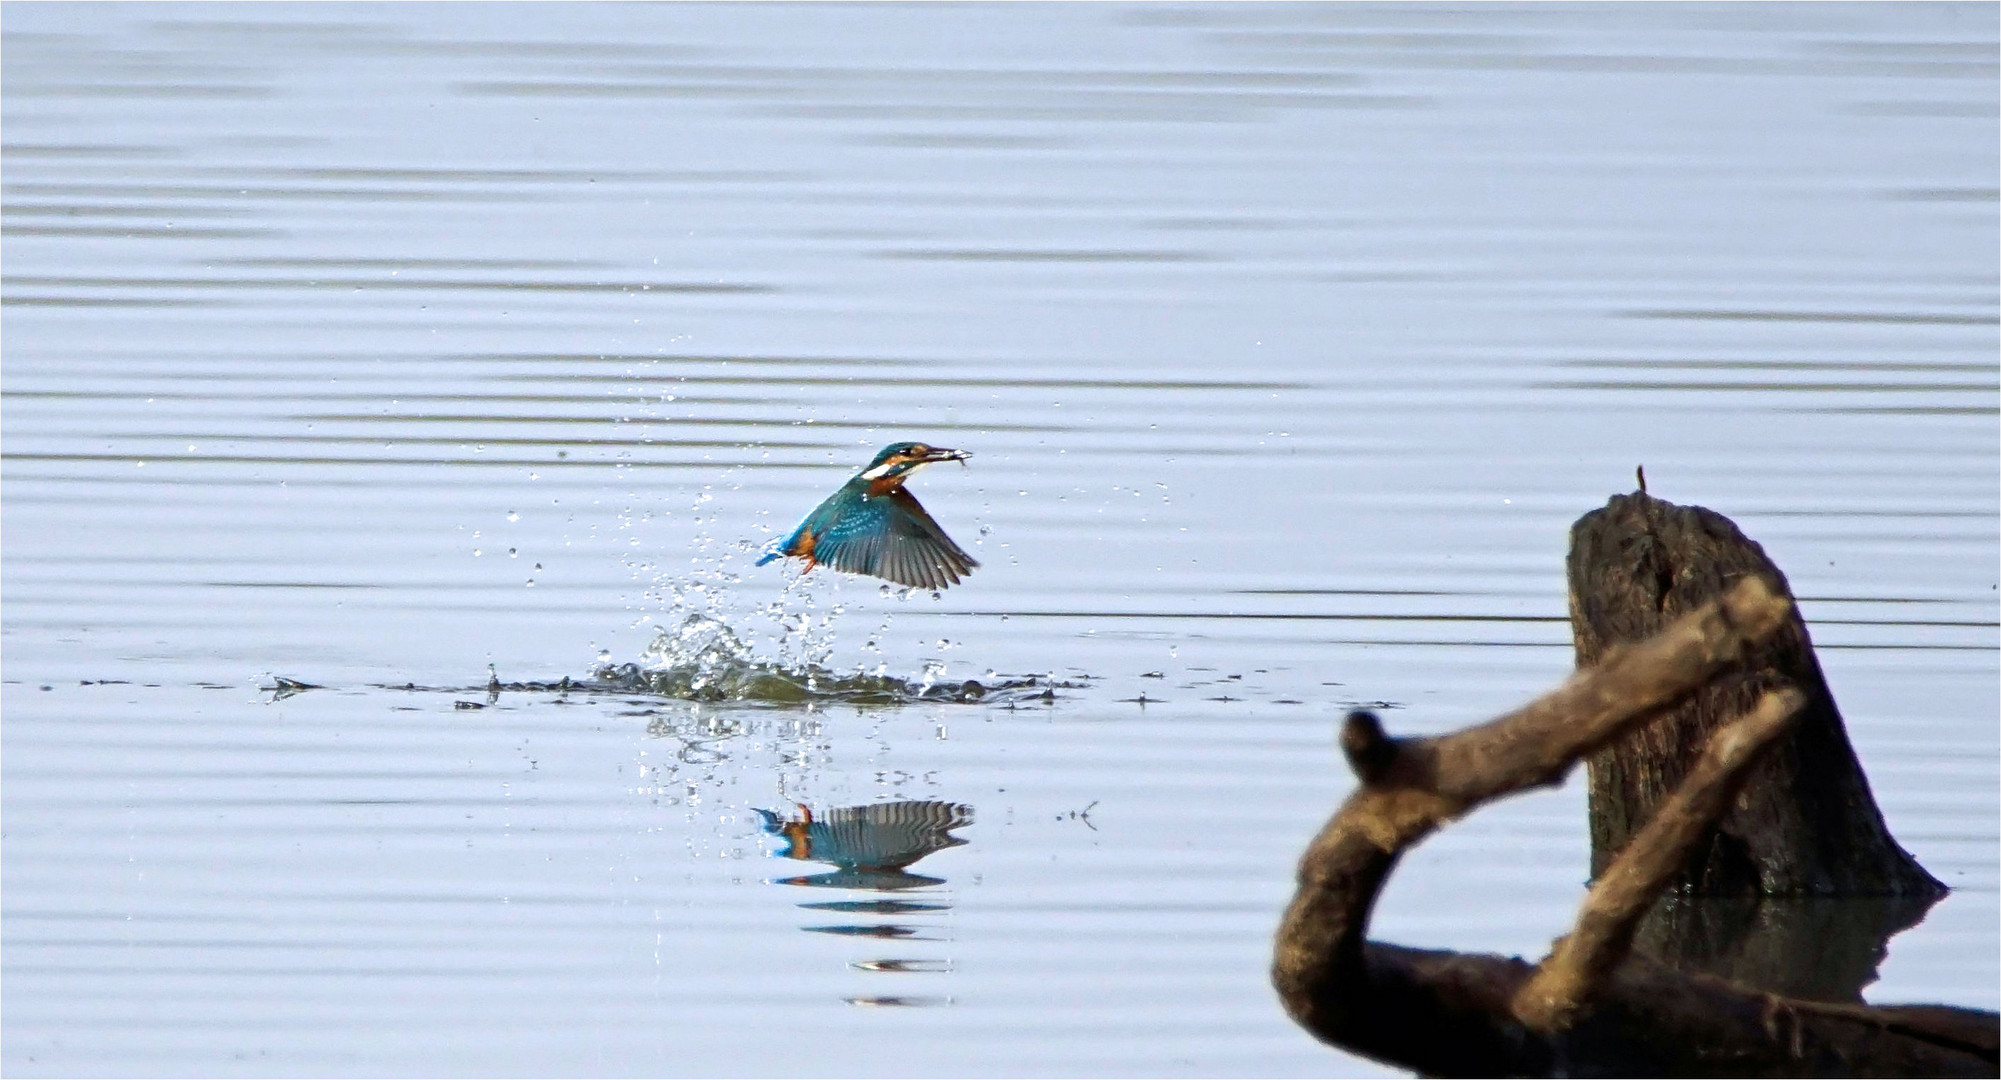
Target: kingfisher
(873, 526)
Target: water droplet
(513, 516)
(476, 553)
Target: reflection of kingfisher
(872, 526)
(874, 837)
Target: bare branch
(1411, 786)
(1539, 742)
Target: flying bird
(873, 526)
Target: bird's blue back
(887, 535)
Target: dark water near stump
(372, 346)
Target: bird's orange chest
(883, 485)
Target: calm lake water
(389, 349)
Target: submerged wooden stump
(1716, 702)
(1805, 823)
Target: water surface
(401, 350)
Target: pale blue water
(372, 346)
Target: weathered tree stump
(1805, 823)
(1800, 884)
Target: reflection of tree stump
(1805, 823)
(1819, 948)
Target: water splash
(704, 659)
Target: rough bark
(1582, 962)
(1805, 823)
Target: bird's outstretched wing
(891, 537)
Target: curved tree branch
(1411, 786)
(1594, 1010)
